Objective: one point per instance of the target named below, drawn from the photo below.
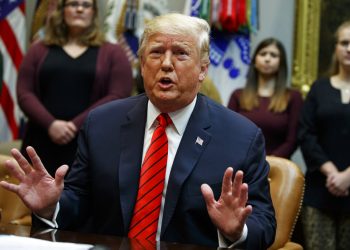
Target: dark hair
(279, 100)
(56, 31)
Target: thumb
(60, 174)
(207, 193)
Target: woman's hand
(62, 132)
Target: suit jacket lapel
(187, 155)
(132, 135)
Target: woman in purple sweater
(267, 101)
(66, 75)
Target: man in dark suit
(203, 140)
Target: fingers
(246, 212)
(230, 187)
(37, 164)
(14, 170)
(22, 162)
(60, 174)
(208, 195)
(9, 186)
(69, 133)
(62, 132)
(243, 195)
(338, 192)
(72, 127)
(227, 181)
(237, 184)
(236, 190)
(336, 184)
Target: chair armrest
(25, 221)
(291, 246)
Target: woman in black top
(71, 71)
(324, 136)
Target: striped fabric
(144, 222)
(12, 47)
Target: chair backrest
(287, 189)
(12, 207)
(5, 147)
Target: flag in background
(231, 22)
(12, 47)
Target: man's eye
(156, 52)
(181, 53)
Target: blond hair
(334, 66)
(178, 24)
(56, 30)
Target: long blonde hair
(56, 31)
(334, 66)
(280, 98)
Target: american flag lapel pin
(199, 141)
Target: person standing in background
(66, 75)
(267, 101)
(324, 136)
(163, 157)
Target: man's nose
(167, 63)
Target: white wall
(277, 20)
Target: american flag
(12, 47)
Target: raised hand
(230, 211)
(37, 189)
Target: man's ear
(202, 76)
(141, 62)
(203, 73)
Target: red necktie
(144, 222)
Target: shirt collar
(179, 118)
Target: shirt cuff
(224, 243)
(53, 222)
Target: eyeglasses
(76, 4)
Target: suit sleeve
(74, 201)
(261, 223)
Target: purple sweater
(279, 129)
(113, 80)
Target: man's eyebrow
(155, 45)
(182, 44)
